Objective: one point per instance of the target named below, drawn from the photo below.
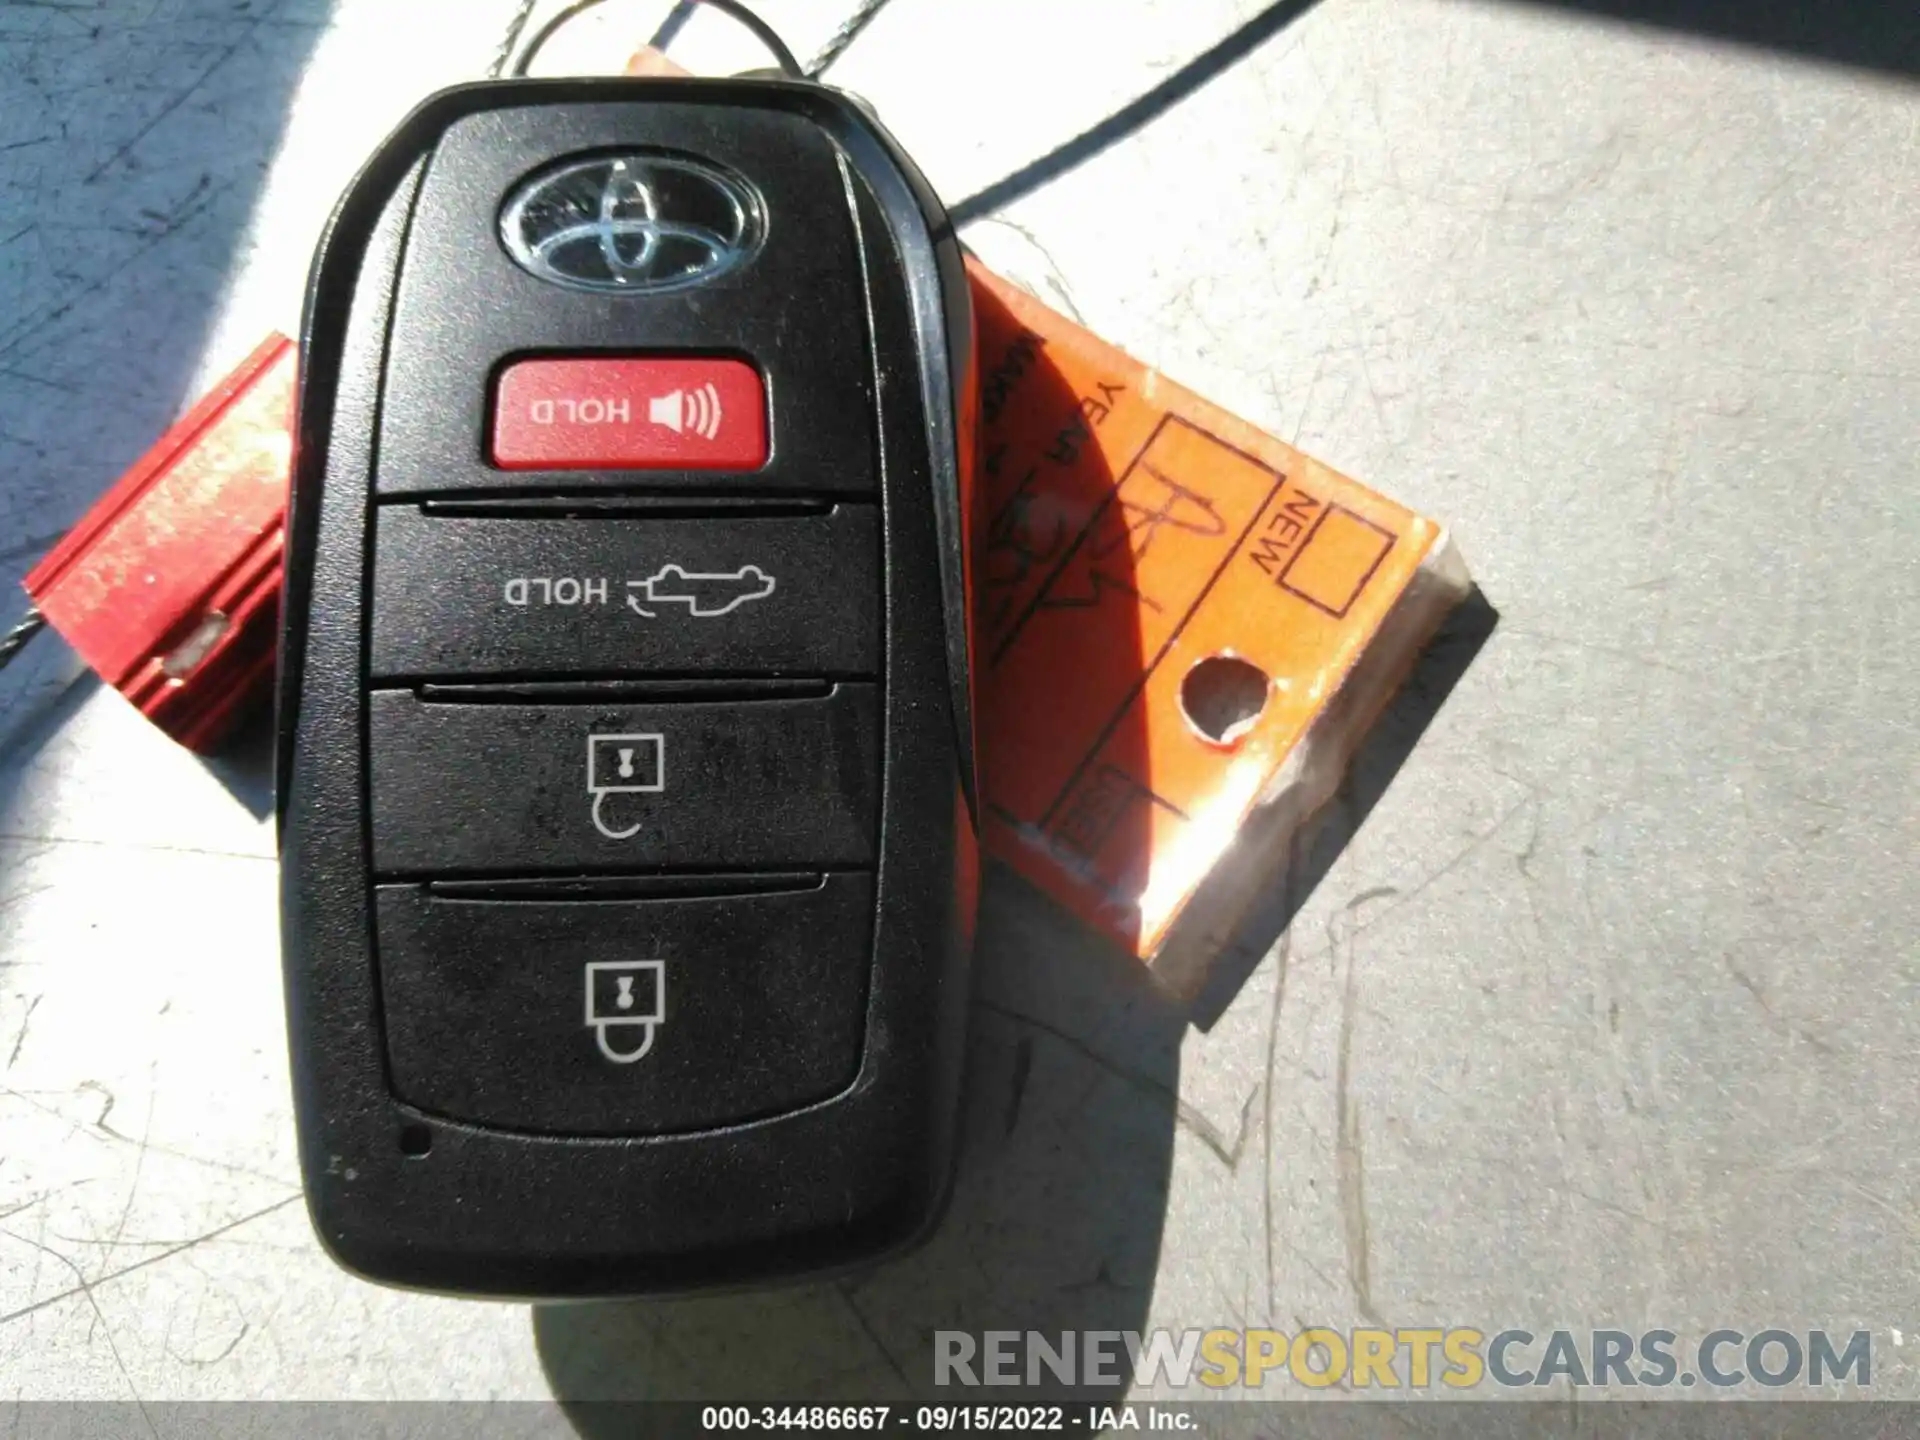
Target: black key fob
(625, 755)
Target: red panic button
(663, 413)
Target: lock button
(624, 1007)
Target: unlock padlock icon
(626, 1006)
(624, 765)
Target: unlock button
(505, 788)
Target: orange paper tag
(1132, 532)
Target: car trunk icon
(705, 594)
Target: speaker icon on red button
(697, 410)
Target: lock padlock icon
(626, 1006)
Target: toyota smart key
(625, 756)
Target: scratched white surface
(1607, 1015)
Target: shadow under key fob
(624, 748)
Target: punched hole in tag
(1222, 696)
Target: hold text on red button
(662, 413)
